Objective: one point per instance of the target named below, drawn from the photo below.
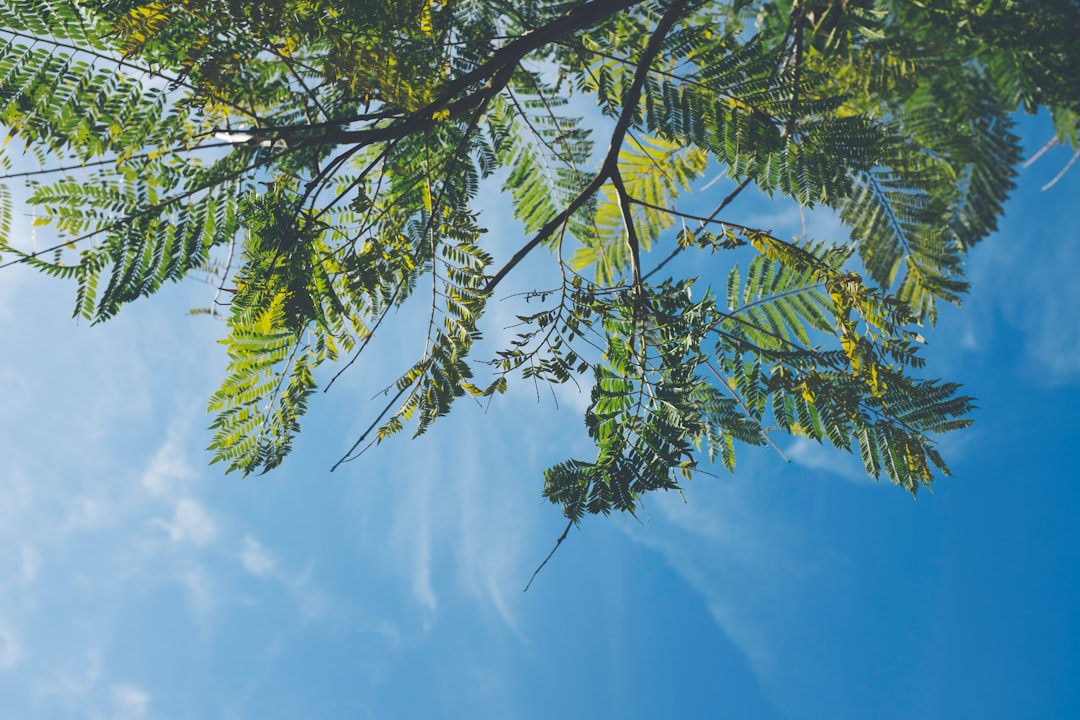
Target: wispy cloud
(816, 456)
(15, 499)
(90, 511)
(200, 594)
(491, 532)
(130, 702)
(458, 524)
(411, 536)
(190, 523)
(256, 559)
(745, 559)
(29, 562)
(82, 691)
(1027, 274)
(169, 468)
(312, 603)
(1046, 310)
(70, 685)
(11, 650)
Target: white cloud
(261, 563)
(88, 513)
(826, 458)
(1048, 317)
(969, 338)
(748, 630)
(80, 691)
(459, 518)
(491, 531)
(11, 650)
(747, 561)
(9, 290)
(29, 562)
(1026, 274)
(15, 499)
(423, 590)
(71, 686)
(256, 559)
(198, 588)
(191, 523)
(411, 538)
(169, 467)
(311, 602)
(130, 702)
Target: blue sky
(136, 582)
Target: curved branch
(492, 71)
(611, 162)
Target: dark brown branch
(611, 162)
(491, 71)
(545, 232)
(631, 231)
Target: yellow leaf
(427, 198)
(425, 21)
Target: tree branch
(492, 71)
(611, 162)
(631, 232)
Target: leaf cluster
(323, 160)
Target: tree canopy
(322, 159)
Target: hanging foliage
(326, 157)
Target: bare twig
(541, 565)
(704, 221)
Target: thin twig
(1064, 170)
(371, 333)
(224, 276)
(1042, 151)
(704, 221)
(742, 403)
(541, 565)
(378, 418)
(127, 219)
(112, 160)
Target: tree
(322, 159)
